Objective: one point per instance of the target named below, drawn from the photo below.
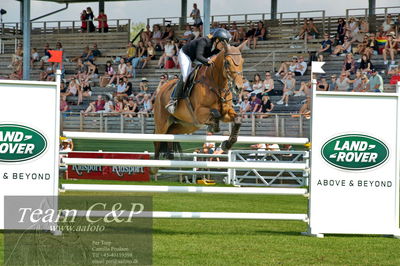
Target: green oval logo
(20, 143)
(355, 152)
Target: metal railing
(365, 11)
(62, 26)
(276, 124)
(228, 19)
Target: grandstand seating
(279, 47)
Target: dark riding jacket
(200, 49)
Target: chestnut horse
(210, 101)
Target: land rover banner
(355, 163)
(29, 132)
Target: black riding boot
(176, 94)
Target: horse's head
(233, 66)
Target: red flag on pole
(55, 56)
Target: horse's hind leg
(227, 144)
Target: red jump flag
(55, 56)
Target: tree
(135, 29)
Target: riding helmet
(221, 35)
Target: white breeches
(186, 65)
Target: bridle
(228, 73)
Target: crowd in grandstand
(354, 40)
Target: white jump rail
(187, 164)
(186, 189)
(181, 138)
(201, 215)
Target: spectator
(390, 48)
(102, 19)
(196, 32)
(352, 28)
(332, 83)
(169, 54)
(17, 73)
(289, 84)
(95, 52)
(214, 27)
(323, 85)
(325, 49)
(395, 75)
(234, 32)
(342, 49)
(130, 52)
(145, 36)
(34, 57)
(349, 64)
(17, 56)
(121, 72)
(250, 33)
(304, 90)
(258, 85)
(63, 89)
(255, 103)
(268, 84)
(108, 105)
(89, 19)
(46, 56)
(73, 88)
(143, 86)
(365, 64)
(195, 14)
(188, 34)
(48, 73)
(375, 81)
(119, 104)
(84, 91)
(167, 36)
(246, 86)
(141, 53)
(388, 24)
(266, 106)
(313, 31)
(364, 83)
(121, 87)
(343, 83)
(341, 31)
(241, 35)
(93, 71)
(151, 52)
(363, 45)
(305, 109)
(259, 34)
(147, 105)
(63, 104)
(357, 81)
(303, 30)
(156, 38)
(209, 147)
(285, 67)
(363, 30)
(85, 56)
(83, 21)
(301, 67)
(130, 108)
(82, 70)
(108, 73)
(130, 71)
(244, 106)
(372, 47)
(129, 87)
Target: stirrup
(171, 106)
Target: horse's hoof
(226, 145)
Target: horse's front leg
(227, 144)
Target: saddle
(191, 81)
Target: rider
(199, 49)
